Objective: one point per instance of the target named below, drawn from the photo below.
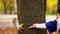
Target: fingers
(20, 29)
(33, 26)
(21, 25)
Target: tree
(29, 12)
(10, 6)
(5, 9)
(59, 3)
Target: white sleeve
(58, 24)
(17, 24)
(41, 25)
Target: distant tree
(5, 9)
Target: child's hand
(21, 27)
(33, 26)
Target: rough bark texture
(29, 12)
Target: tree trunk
(59, 4)
(29, 12)
(4, 3)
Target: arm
(41, 25)
(51, 26)
(38, 26)
(19, 26)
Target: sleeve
(41, 25)
(17, 24)
(51, 26)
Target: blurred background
(51, 7)
(9, 7)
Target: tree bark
(29, 12)
(58, 4)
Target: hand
(21, 27)
(33, 26)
